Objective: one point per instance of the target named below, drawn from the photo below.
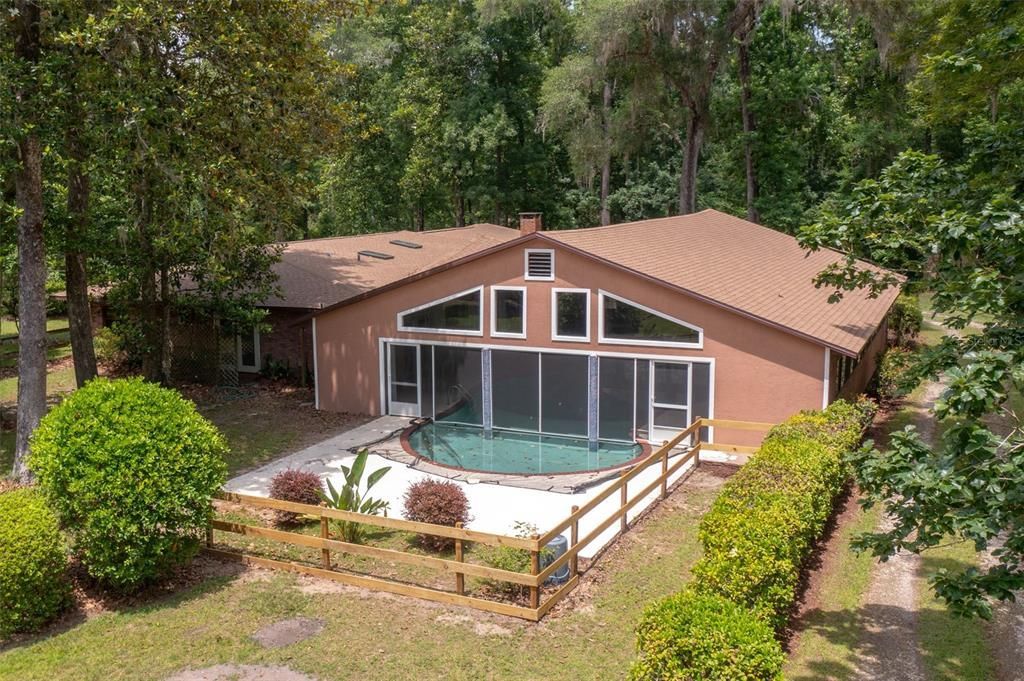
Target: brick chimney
(530, 223)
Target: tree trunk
(748, 129)
(28, 190)
(419, 216)
(606, 162)
(460, 209)
(75, 278)
(149, 314)
(165, 326)
(691, 157)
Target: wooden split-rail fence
(672, 458)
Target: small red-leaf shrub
(438, 503)
(302, 487)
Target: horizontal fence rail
(671, 457)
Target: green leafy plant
(275, 369)
(764, 523)
(692, 635)
(352, 498)
(905, 319)
(512, 559)
(895, 376)
(130, 468)
(33, 587)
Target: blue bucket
(554, 550)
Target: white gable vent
(540, 264)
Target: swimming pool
(513, 452)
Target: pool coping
(563, 483)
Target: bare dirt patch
(240, 672)
(289, 631)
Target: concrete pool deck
(494, 507)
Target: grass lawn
(953, 648)
(8, 327)
(59, 380)
(828, 640)
(261, 425)
(376, 636)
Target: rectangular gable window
(570, 314)
(629, 323)
(508, 312)
(458, 314)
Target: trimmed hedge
(33, 587)
(693, 635)
(756, 537)
(765, 521)
(130, 469)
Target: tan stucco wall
(761, 373)
(866, 367)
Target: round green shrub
(905, 319)
(895, 379)
(703, 636)
(130, 468)
(33, 588)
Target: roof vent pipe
(530, 223)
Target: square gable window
(459, 313)
(508, 311)
(570, 314)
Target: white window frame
(249, 368)
(639, 357)
(494, 312)
(652, 404)
(479, 331)
(526, 263)
(601, 338)
(554, 316)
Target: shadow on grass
(203, 577)
(845, 628)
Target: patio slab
(540, 501)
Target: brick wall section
(288, 342)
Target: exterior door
(670, 399)
(248, 345)
(403, 380)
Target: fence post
(623, 498)
(209, 534)
(664, 471)
(574, 536)
(460, 579)
(535, 570)
(325, 533)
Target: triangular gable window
(459, 313)
(628, 323)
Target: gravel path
(890, 647)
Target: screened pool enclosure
(601, 397)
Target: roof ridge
(339, 237)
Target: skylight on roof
(405, 244)
(375, 254)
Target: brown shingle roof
(752, 269)
(316, 273)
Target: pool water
(506, 451)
